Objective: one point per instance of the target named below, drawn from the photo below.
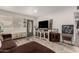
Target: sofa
(7, 43)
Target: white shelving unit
(42, 34)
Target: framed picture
(68, 29)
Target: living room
(49, 29)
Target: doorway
(29, 28)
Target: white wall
(64, 17)
(13, 20)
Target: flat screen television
(43, 24)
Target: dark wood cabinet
(6, 37)
(67, 38)
(54, 37)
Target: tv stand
(42, 34)
(48, 35)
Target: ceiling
(35, 10)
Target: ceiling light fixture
(35, 11)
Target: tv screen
(43, 24)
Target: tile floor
(57, 47)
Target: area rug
(31, 47)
